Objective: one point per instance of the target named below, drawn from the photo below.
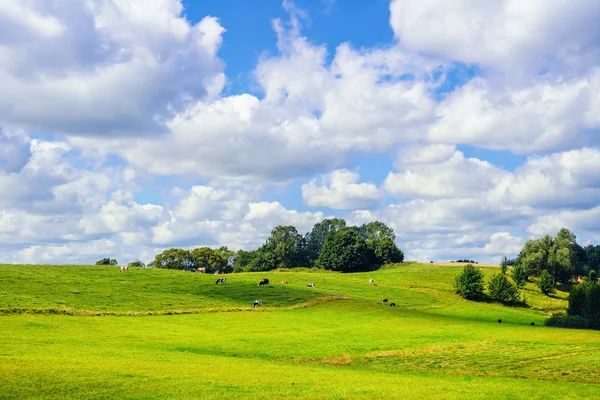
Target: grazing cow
(384, 301)
(392, 304)
(124, 268)
(371, 281)
(284, 282)
(311, 285)
(263, 282)
(499, 321)
(200, 269)
(257, 303)
(221, 280)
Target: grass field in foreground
(432, 345)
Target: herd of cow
(257, 303)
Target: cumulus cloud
(340, 191)
(456, 177)
(508, 34)
(103, 67)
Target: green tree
(387, 252)
(501, 289)
(286, 247)
(469, 284)
(107, 261)
(546, 283)
(136, 263)
(576, 300)
(211, 259)
(316, 237)
(242, 258)
(519, 275)
(504, 264)
(376, 230)
(260, 261)
(175, 259)
(344, 250)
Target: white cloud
(456, 177)
(340, 191)
(512, 35)
(102, 67)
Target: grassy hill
(114, 337)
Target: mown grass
(302, 344)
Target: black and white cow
(311, 285)
(263, 282)
(392, 304)
(221, 281)
(257, 303)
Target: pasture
(93, 332)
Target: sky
(130, 127)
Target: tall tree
(287, 247)
(344, 250)
(175, 259)
(316, 237)
(211, 259)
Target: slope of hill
(303, 343)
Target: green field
(93, 332)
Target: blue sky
(195, 128)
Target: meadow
(93, 332)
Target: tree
(501, 289)
(504, 264)
(136, 263)
(175, 259)
(386, 251)
(376, 230)
(211, 259)
(107, 261)
(546, 283)
(576, 300)
(316, 237)
(344, 250)
(519, 275)
(286, 247)
(260, 261)
(469, 284)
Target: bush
(546, 283)
(501, 289)
(469, 284)
(519, 275)
(568, 321)
(576, 300)
(504, 265)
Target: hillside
(333, 341)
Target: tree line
(330, 244)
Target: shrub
(501, 289)
(546, 283)
(469, 284)
(519, 275)
(568, 321)
(576, 300)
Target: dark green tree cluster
(212, 260)
(331, 244)
(470, 285)
(583, 310)
(106, 261)
(556, 259)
